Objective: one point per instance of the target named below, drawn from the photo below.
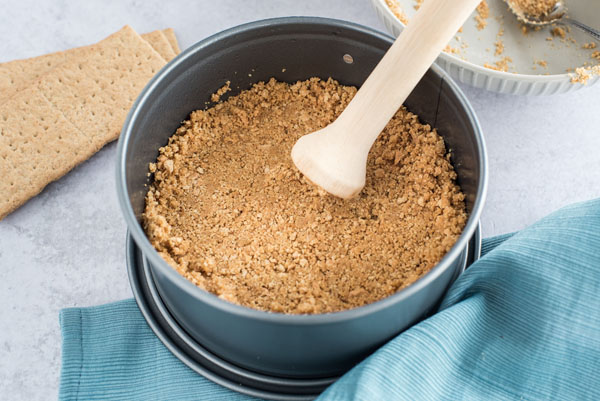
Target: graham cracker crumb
(483, 12)
(450, 49)
(250, 229)
(583, 74)
(499, 47)
(558, 31)
(215, 97)
(501, 65)
(499, 43)
(397, 11)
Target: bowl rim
(381, 4)
(214, 301)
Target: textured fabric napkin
(522, 323)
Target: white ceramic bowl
(525, 50)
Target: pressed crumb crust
(230, 212)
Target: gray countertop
(66, 247)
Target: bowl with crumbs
(260, 268)
(495, 51)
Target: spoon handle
(399, 71)
(589, 30)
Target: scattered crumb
(230, 212)
(558, 31)
(590, 45)
(499, 43)
(582, 75)
(501, 65)
(418, 5)
(215, 97)
(524, 30)
(397, 11)
(596, 55)
(499, 47)
(483, 12)
(542, 63)
(451, 50)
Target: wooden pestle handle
(335, 157)
(399, 71)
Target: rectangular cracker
(96, 94)
(86, 98)
(37, 146)
(159, 42)
(170, 34)
(18, 74)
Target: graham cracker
(37, 146)
(72, 111)
(17, 74)
(170, 34)
(159, 42)
(96, 95)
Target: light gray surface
(66, 246)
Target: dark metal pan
(290, 49)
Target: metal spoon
(558, 15)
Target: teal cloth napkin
(522, 323)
